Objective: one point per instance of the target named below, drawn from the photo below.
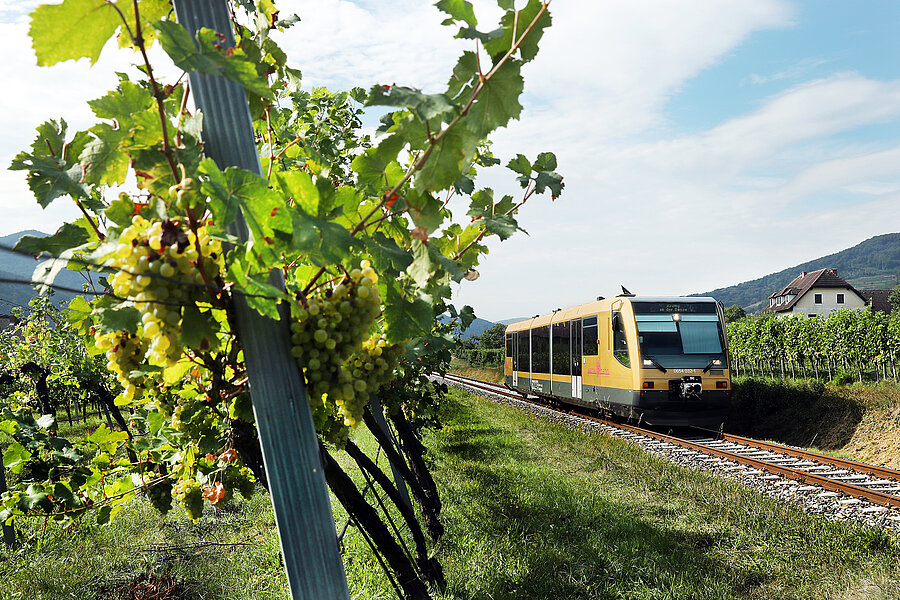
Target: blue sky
(702, 143)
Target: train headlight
(676, 317)
(648, 362)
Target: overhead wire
(105, 269)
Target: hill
(872, 264)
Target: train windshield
(680, 334)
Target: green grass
(539, 511)
(532, 510)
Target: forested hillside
(872, 264)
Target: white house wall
(807, 306)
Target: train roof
(567, 314)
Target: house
(815, 293)
(878, 299)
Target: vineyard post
(9, 534)
(378, 414)
(290, 449)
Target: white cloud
(660, 212)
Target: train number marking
(684, 370)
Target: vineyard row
(844, 344)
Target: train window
(576, 348)
(509, 344)
(620, 344)
(589, 336)
(540, 349)
(523, 351)
(700, 337)
(561, 350)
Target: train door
(575, 344)
(515, 359)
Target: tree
(359, 229)
(735, 312)
(894, 298)
(494, 337)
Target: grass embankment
(858, 421)
(533, 510)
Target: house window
(840, 298)
(817, 299)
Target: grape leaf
(459, 10)
(45, 273)
(15, 456)
(259, 294)
(546, 161)
(53, 167)
(102, 159)
(120, 104)
(515, 24)
(299, 186)
(452, 154)
(231, 63)
(520, 164)
(373, 164)
(67, 236)
(502, 226)
(263, 210)
(426, 106)
(389, 258)
(405, 318)
(466, 317)
(323, 242)
(198, 329)
(498, 101)
(72, 30)
(121, 318)
(79, 311)
(422, 267)
(425, 210)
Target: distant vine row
(862, 344)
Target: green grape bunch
(160, 495)
(124, 354)
(189, 494)
(328, 329)
(161, 266)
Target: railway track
(835, 487)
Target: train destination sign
(664, 308)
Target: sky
(703, 144)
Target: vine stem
(420, 163)
(137, 39)
(528, 193)
(89, 219)
(77, 201)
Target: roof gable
(822, 278)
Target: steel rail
(840, 463)
(854, 491)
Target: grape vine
(360, 230)
(843, 342)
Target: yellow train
(660, 361)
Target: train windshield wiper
(653, 362)
(716, 362)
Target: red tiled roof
(823, 278)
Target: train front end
(683, 375)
